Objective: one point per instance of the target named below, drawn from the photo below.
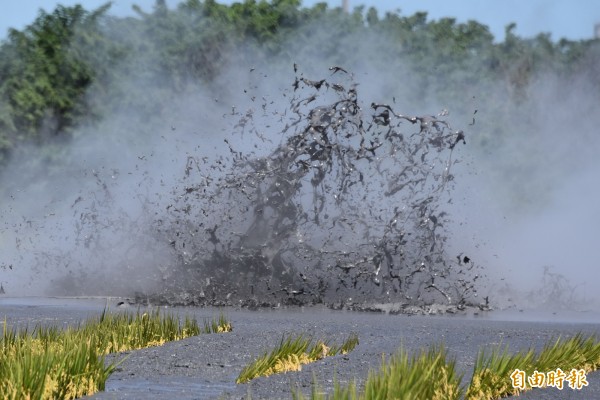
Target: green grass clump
(217, 325)
(127, 331)
(425, 376)
(292, 353)
(576, 352)
(492, 373)
(50, 363)
(33, 368)
(429, 375)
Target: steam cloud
(162, 207)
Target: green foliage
(71, 67)
(426, 375)
(217, 325)
(492, 372)
(126, 331)
(430, 375)
(46, 72)
(50, 363)
(66, 368)
(291, 353)
(491, 375)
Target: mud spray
(307, 184)
(342, 206)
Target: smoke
(530, 203)
(153, 202)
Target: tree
(45, 73)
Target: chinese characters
(576, 379)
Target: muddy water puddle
(180, 388)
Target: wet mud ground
(206, 366)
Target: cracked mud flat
(206, 366)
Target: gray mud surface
(206, 366)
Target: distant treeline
(48, 69)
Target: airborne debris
(342, 205)
(335, 69)
(346, 208)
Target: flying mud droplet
(345, 210)
(319, 197)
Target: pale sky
(573, 19)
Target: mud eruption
(345, 207)
(342, 203)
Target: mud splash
(320, 198)
(346, 209)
